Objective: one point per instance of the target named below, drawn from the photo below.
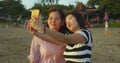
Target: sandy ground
(15, 44)
(105, 47)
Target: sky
(29, 3)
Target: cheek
(48, 22)
(74, 22)
(59, 24)
(69, 24)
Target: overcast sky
(30, 3)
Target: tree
(48, 2)
(12, 8)
(1, 8)
(111, 6)
(92, 3)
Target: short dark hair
(60, 11)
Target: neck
(77, 30)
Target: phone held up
(35, 13)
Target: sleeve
(83, 34)
(34, 51)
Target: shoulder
(84, 33)
(37, 40)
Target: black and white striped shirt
(79, 52)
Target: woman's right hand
(32, 30)
(29, 27)
(36, 24)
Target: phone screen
(35, 13)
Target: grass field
(15, 45)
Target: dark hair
(60, 11)
(63, 28)
(79, 18)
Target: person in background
(106, 26)
(78, 44)
(41, 50)
(106, 22)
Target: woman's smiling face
(55, 21)
(71, 23)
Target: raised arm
(69, 39)
(48, 38)
(43, 36)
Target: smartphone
(35, 13)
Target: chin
(71, 30)
(54, 29)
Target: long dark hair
(63, 28)
(79, 18)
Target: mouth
(53, 24)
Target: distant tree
(56, 1)
(12, 8)
(48, 2)
(111, 6)
(1, 8)
(92, 3)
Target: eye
(57, 18)
(50, 18)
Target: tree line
(14, 8)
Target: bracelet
(44, 29)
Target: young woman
(78, 44)
(41, 50)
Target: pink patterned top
(44, 52)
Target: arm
(44, 36)
(70, 39)
(31, 61)
(48, 38)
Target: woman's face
(54, 21)
(71, 23)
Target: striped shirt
(77, 53)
